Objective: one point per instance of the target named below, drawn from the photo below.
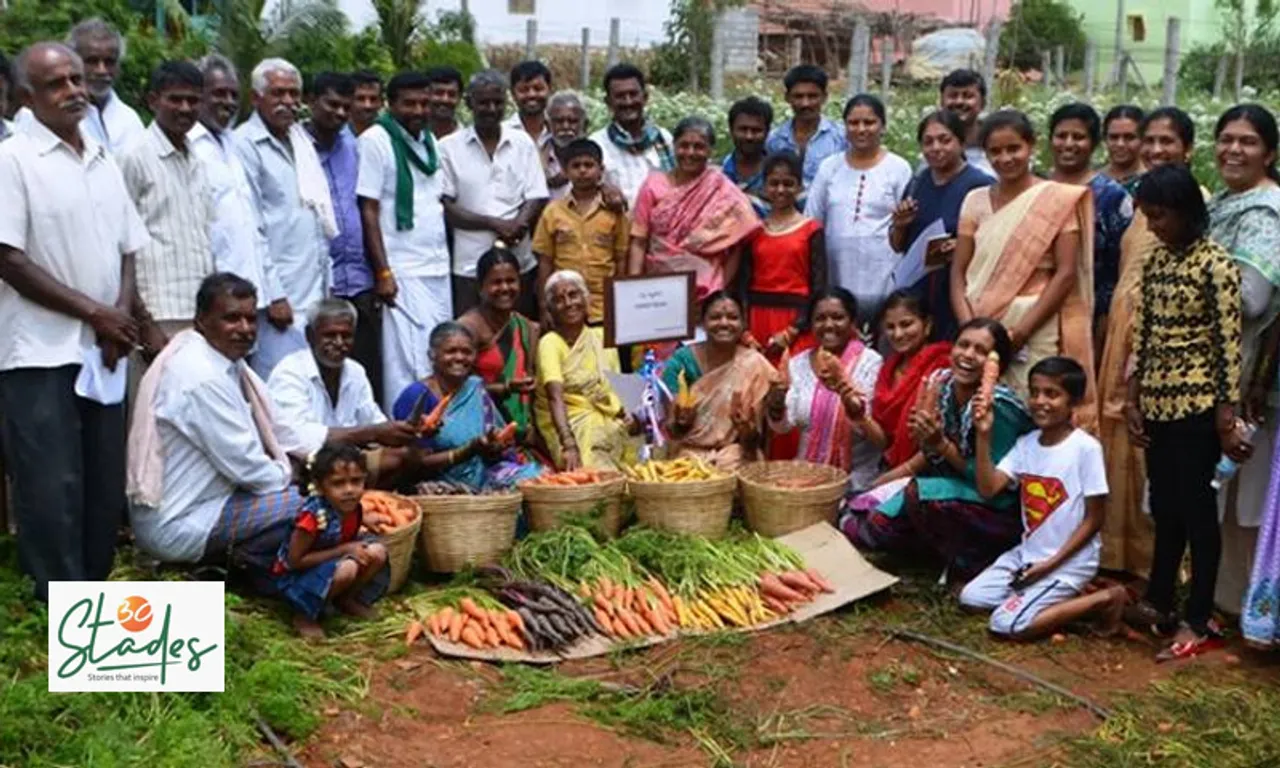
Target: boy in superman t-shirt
(1058, 471)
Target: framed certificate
(649, 308)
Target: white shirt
(804, 386)
(856, 210)
(211, 448)
(295, 238)
(171, 194)
(115, 125)
(72, 216)
(626, 170)
(1053, 483)
(424, 250)
(303, 406)
(546, 152)
(236, 236)
(6, 129)
(496, 186)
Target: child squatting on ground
(1058, 471)
(325, 560)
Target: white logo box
(136, 636)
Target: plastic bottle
(1227, 467)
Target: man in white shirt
(292, 194)
(68, 234)
(323, 396)
(224, 483)
(167, 184)
(494, 188)
(236, 236)
(6, 87)
(530, 89)
(633, 146)
(446, 94)
(107, 120)
(399, 191)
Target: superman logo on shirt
(1040, 497)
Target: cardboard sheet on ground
(821, 546)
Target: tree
(399, 24)
(1040, 25)
(684, 58)
(310, 33)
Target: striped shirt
(170, 190)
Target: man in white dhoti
(404, 234)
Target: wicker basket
(775, 511)
(399, 543)
(700, 507)
(546, 503)
(467, 530)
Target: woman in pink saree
(691, 218)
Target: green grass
(268, 672)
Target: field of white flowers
(906, 106)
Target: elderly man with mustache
(68, 235)
(107, 120)
(292, 193)
(167, 184)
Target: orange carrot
(446, 617)
(645, 627)
(664, 596)
(820, 580)
(770, 585)
(473, 637)
(987, 387)
(629, 619)
(602, 604)
(433, 419)
(455, 626)
(491, 636)
(620, 628)
(799, 581)
(602, 617)
(507, 434)
(514, 620)
(412, 634)
(474, 611)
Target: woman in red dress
(785, 264)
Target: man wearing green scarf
(399, 191)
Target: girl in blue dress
(326, 560)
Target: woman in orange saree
(1168, 136)
(1024, 256)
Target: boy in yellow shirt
(578, 232)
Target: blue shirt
(752, 187)
(828, 140)
(341, 163)
(1112, 212)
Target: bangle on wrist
(384, 273)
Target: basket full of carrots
(556, 496)
(395, 520)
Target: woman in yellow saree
(1024, 256)
(581, 418)
(728, 382)
(1168, 136)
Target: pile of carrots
(784, 591)
(632, 612)
(472, 625)
(576, 477)
(382, 512)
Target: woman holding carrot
(325, 561)
(908, 326)
(473, 444)
(932, 499)
(719, 386)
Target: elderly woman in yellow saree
(1021, 258)
(1168, 137)
(728, 382)
(581, 418)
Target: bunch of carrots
(626, 612)
(576, 477)
(431, 420)
(784, 591)
(382, 512)
(472, 625)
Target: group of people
(271, 297)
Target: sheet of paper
(911, 268)
(98, 384)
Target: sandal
(1208, 640)
(1145, 617)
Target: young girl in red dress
(785, 264)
